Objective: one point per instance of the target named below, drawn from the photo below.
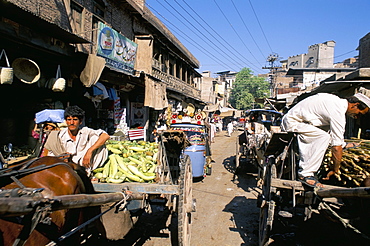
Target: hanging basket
(26, 70)
(6, 73)
(60, 83)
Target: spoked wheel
(267, 205)
(181, 235)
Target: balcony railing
(174, 83)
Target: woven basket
(6, 73)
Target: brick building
(138, 51)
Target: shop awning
(211, 108)
(155, 94)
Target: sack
(50, 115)
(6, 73)
(60, 83)
(92, 71)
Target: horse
(57, 178)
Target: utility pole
(272, 60)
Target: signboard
(118, 51)
(137, 114)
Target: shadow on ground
(243, 215)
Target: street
(227, 215)
(226, 210)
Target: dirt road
(227, 215)
(226, 209)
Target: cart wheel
(182, 215)
(267, 205)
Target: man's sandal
(316, 183)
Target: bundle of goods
(355, 165)
(129, 161)
(17, 152)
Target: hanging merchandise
(92, 71)
(26, 70)
(6, 73)
(60, 83)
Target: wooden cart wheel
(267, 207)
(182, 215)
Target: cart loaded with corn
(129, 161)
(354, 168)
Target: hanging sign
(118, 51)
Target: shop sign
(137, 114)
(118, 51)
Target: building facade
(120, 64)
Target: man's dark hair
(353, 99)
(74, 111)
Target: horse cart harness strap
(120, 205)
(41, 210)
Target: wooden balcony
(174, 83)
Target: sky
(228, 35)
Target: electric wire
(344, 53)
(198, 46)
(209, 40)
(220, 49)
(218, 35)
(246, 27)
(268, 43)
(236, 32)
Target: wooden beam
(327, 191)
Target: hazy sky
(232, 34)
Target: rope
(121, 203)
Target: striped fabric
(136, 134)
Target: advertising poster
(137, 114)
(118, 51)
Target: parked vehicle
(199, 149)
(259, 124)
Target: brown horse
(60, 179)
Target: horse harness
(41, 207)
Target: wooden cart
(284, 197)
(252, 143)
(173, 187)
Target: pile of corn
(129, 161)
(354, 168)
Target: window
(99, 8)
(94, 33)
(171, 68)
(178, 70)
(77, 16)
(184, 77)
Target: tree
(246, 88)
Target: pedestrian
(319, 120)
(84, 145)
(213, 131)
(230, 128)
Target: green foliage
(246, 88)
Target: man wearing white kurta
(85, 145)
(319, 121)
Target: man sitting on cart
(319, 120)
(84, 145)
